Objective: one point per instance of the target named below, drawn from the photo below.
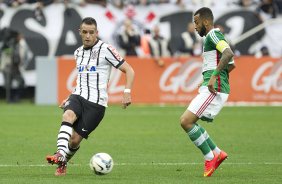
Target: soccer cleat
(221, 157)
(57, 158)
(210, 166)
(61, 169)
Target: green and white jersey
(214, 45)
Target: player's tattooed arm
(225, 58)
(231, 67)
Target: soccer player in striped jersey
(85, 107)
(213, 92)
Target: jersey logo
(115, 52)
(86, 68)
(94, 54)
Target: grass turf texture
(147, 145)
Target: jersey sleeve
(76, 53)
(113, 57)
(219, 41)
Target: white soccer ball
(101, 163)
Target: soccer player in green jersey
(213, 92)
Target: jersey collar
(214, 29)
(87, 48)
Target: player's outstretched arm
(129, 76)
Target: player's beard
(203, 31)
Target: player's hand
(211, 84)
(62, 105)
(126, 100)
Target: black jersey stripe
(98, 91)
(80, 86)
(88, 89)
(89, 56)
(99, 54)
(77, 51)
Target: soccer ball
(101, 163)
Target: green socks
(196, 136)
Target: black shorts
(88, 114)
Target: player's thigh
(188, 116)
(200, 103)
(74, 103)
(92, 115)
(215, 106)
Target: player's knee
(185, 123)
(69, 116)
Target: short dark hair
(89, 21)
(205, 13)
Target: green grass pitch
(147, 145)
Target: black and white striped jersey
(94, 66)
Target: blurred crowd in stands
(269, 6)
(13, 54)
(151, 42)
(266, 8)
(131, 41)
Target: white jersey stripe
(112, 53)
(214, 38)
(97, 64)
(110, 62)
(88, 87)
(99, 54)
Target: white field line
(143, 164)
